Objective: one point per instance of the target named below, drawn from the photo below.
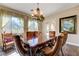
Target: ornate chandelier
(37, 14)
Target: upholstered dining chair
(19, 45)
(64, 36)
(52, 37)
(52, 34)
(54, 51)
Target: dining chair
(22, 50)
(52, 34)
(64, 36)
(52, 37)
(54, 51)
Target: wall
(0, 32)
(54, 19)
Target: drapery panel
(11, 23)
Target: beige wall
(54, 19)
(0, 32)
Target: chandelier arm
(37, 14)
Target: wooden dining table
(34, 46)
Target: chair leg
(62, 52)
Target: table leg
(30, 52)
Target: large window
(47, 31)
(11, 24)
(49, 27)
(32, 25)
(17, 25)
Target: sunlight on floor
(14, 54)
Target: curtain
(6, 18)
(11, 22)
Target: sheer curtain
(11, 22)
(5, 18)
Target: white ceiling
(47, 8)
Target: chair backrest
(61, 40)
(29, 35)
(64, 36)
(51, 34)
(56, 48)
(19, 46)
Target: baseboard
(72, 44)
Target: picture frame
(68, 24)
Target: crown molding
(13, 10)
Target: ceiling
(47, 8)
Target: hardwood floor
(8, 52)
(69, 50)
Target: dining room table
(35, 43)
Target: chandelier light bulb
(37, 14)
